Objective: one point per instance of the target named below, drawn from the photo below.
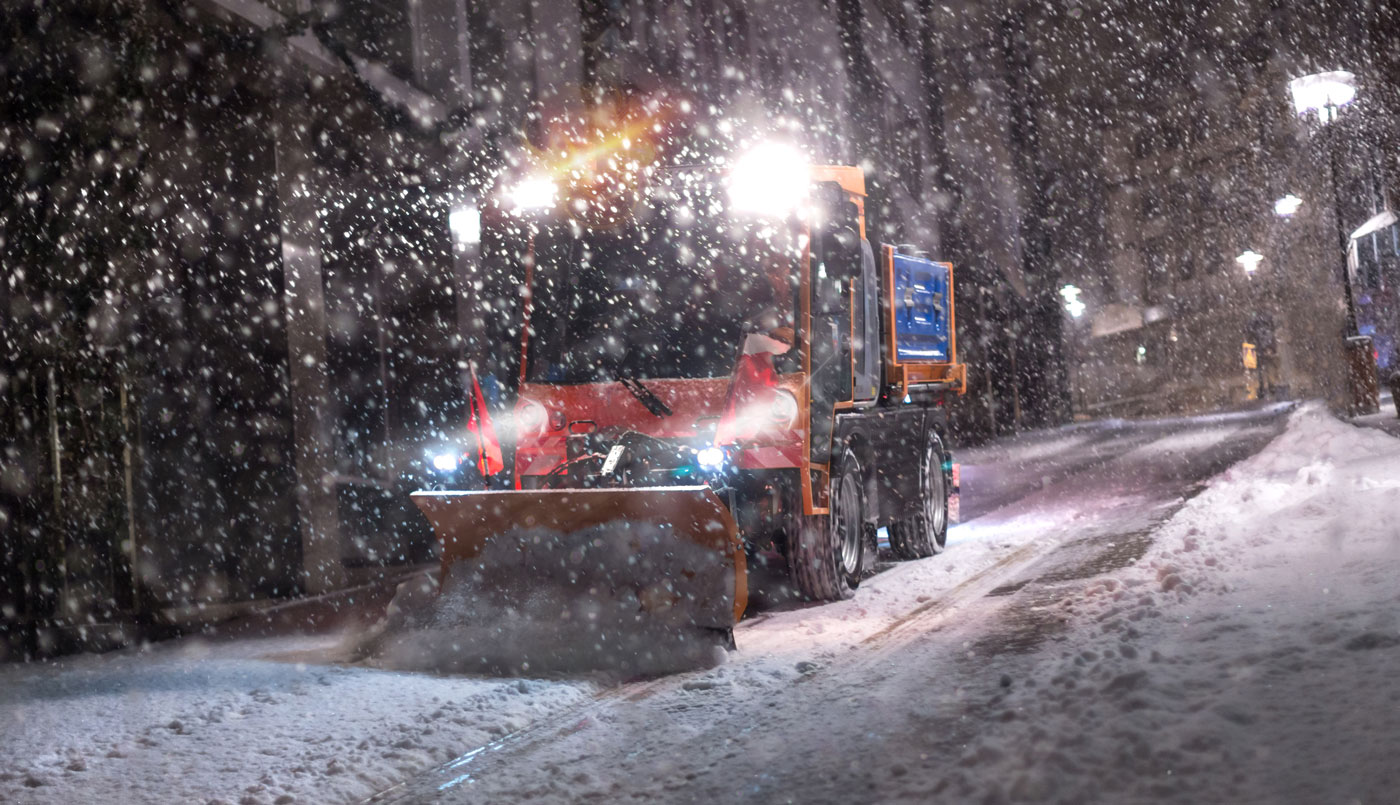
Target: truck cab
(732, 326)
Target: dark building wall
(149, 443)
(144, 392)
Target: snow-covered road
(1106, 625)
(861, 699)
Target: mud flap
(676, 547)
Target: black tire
(926, 533)
(827, 553)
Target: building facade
(1220, 279)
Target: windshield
(669, 293)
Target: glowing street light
(1071, 294)
(1323, 93)
(1286, 206)
(533, 194)
(1249, 260)
(464, 221)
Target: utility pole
(1330, 143)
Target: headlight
(445, 462)
(533, 193)
(530, 418)
(710, 459)
(783, 409)
(771, 179)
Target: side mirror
(842, 247)
(839, 265)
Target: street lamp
(1325, 94)
(1249, 260)
(464, 221)
(1072, 302)
(1286, 206)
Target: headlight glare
(710, 459)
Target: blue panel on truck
(921, 310)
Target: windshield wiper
(644, 395)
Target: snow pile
(1250, 656)
(623, 597)
(1318, 501)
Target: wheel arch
(855, 439)
(936, 424)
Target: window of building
(1144, 142)
(911, 143)
(1172, 137)
(1149, 203)
(606, 35)
(1156, 272)
(1185, 264)
(1200, 126)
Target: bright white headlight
(532, 193)
(771, 179)
(709, 458)
(445, 462)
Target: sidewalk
(1386, 420)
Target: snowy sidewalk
(241, 722)
(1252, 655)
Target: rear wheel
(827, 553)
(926, 533)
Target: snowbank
(1250, 656)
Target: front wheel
(827, 553)
(926, 533)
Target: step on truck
(718, 368)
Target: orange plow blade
(672, 547)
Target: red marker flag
(488, 448)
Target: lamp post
(1325, 94)
(1076, 308)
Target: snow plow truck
(717, 368)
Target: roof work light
(770, 179)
